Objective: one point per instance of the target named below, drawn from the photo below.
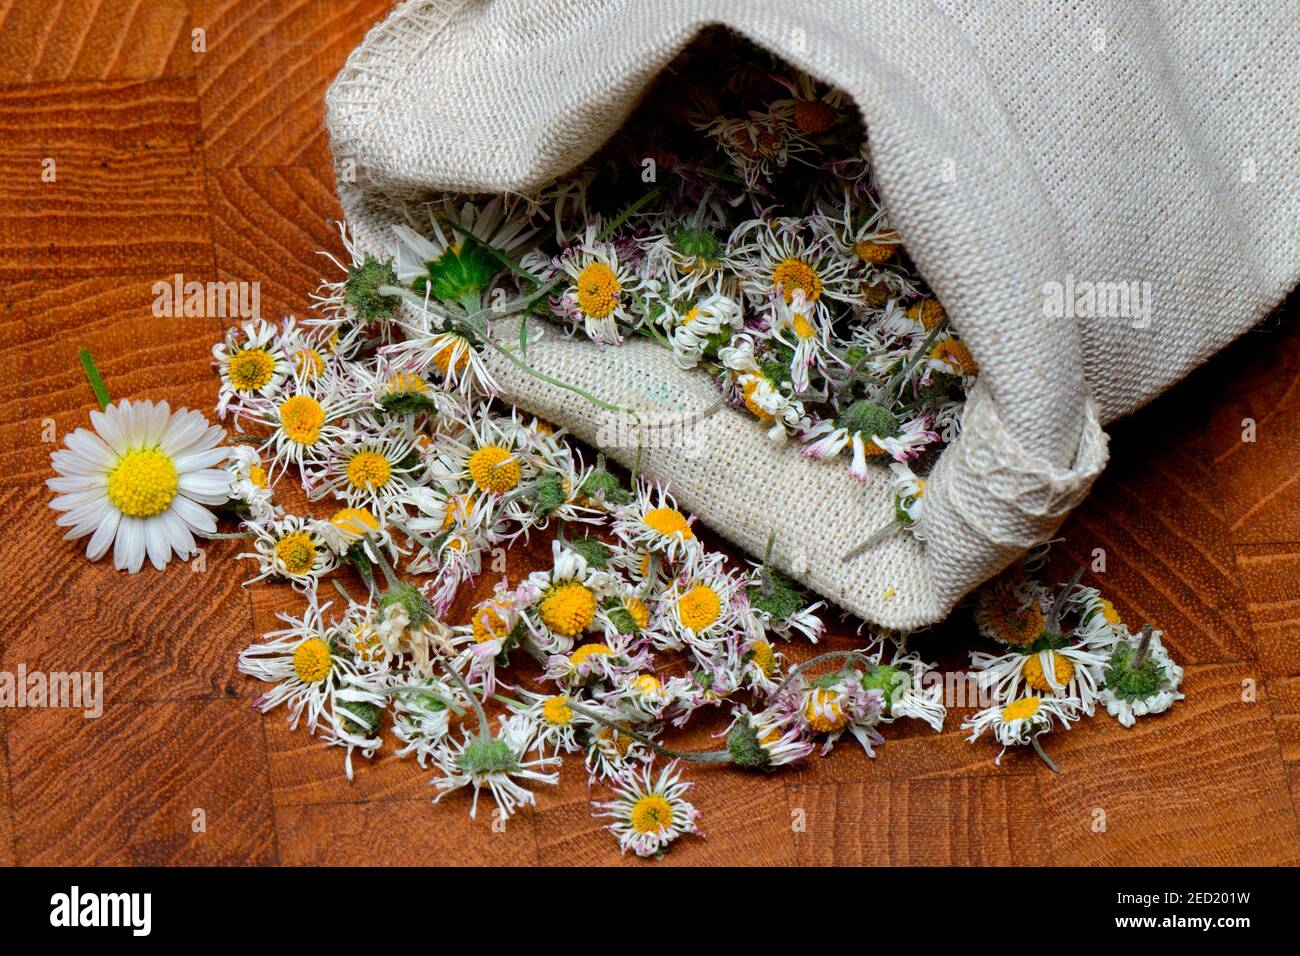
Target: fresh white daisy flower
(251, 362)
(141, 481)
(497, 763)
(649, 814)
(293, 547)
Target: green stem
(872, 541)
(695, 756)
(1043, 754)
(599, 403)
(479, 712)
(96, 380)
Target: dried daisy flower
(1140, 678)
(648, 813)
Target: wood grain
(214, 163)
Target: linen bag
(1102, 194)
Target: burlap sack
(1023, 150)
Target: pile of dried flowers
(778, 273)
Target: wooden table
(215, 164)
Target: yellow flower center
(355, 522)
(308, 363)
(448, 346)
(669, 522)
(699, 607)
(813, 116)
(296, 552)
(487, 624)
(871, 251)
(823, 712)
(311, 661)
(405, 382)
(802, 327)
(647, 684)
(369, 470)
(301, 419)
(640, 613)
(1012, 623)
(1062, 670)
(954, 352)
(365, 640)
(747, 393)
(494, 469)
(651, 814)
(588, 650)
(556, 710)
(142, 483)
(691, 316)
(569, 609)
(1021, 709)
(257, 475)
(250, 369)
(928, 312)
(1109, 613)
(764, 658)
(795, 275)
(598, 290)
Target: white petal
(181, 432)
(178, 535)
(103, 535)
(157, 543)
(156, 423)
(113, 425)
(128, 550)
(70, 483)
(91, 448)
(194, 460)
(211, 486)
(195, 516)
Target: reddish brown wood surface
(215, 164)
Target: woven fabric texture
(1026, 154)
